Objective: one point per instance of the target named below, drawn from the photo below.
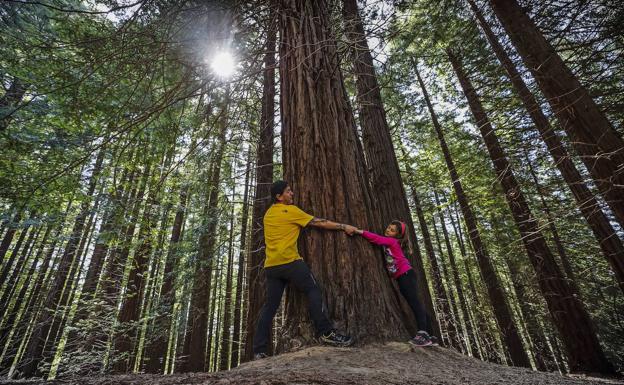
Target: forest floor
(392, 363)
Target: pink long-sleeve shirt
(396, 263)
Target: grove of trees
(135, 172)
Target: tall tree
(570, 316)
(502, 312)
(596, 141)
(611, 245)
(318, 138)
(385, 178)
(262, 196)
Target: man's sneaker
(259, 356)
(422, 339)
(335, 339)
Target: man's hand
(350, 230)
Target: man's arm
(329, 225)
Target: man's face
(286, 197)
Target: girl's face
(391, 231)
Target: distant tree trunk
(10, 262)
(453, 320)
(569, 314)
(12, 228)
(159, 341)
(238, 305)
(11, 283)
(502, 312)
(565, 261)
(318, 138)
(35, 351)
(195, 349)
(262, 196)
(440, 292)
(10, 102)
(226, 337)
(595, 139)
(607, 238)
(383, 167)
(472, 345)
(126, 340)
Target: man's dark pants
(299, 275)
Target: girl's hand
(350, 230)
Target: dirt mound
(393, 363)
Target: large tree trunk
(607, 238)
(385, 178)
(498, 299)
(318, 138)
(262, 195)
(569, 314)
(600, 147)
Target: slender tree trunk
(125, 343)
(226, 337)
(11, 261)
(440, 292)
(262, 196)
(384, 173)
(238, 305)
(195, 348)
(607, 238)
(502, 312)
(471, 345)
(10, 102)
(35, 350)
(159, 341)
(318, 137)
(565, 261)
(600, 147)
(569, 314)
(454, 339)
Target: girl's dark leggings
(409, 289)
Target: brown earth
(392, 363)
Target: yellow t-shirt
(282, 224)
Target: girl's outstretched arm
(376, 238)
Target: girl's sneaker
(335, 339)
(422, 339)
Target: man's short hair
(277, 188)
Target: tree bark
(502, 312)
(262, 196)
(610, 244)
(10, 102)
(439, 290)
(159, 341)
(318, 138)
(595, 139)
(195, 348)
(471, 345)
(237, 339)
(569, 314)
(226, 337)
(383, 168)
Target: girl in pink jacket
(400, 269)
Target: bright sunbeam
(223, 64)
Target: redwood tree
(318, 141)
(570, 316)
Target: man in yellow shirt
(283, 222)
